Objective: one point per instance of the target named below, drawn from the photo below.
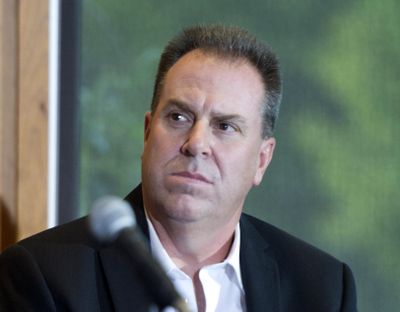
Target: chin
(186, 209)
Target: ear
(264, 158)
(147, 124)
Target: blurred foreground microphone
(112, 221)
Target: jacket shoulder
(74, 232)
(284, 244)
(308, 276)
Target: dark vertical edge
(68, 146)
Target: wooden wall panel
(23, 117)
(8, 121)
(33, 115)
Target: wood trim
(8, 121)
(33, 117)
(24, 118)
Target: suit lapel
(126, 291)
(259, 270)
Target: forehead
(203, 77)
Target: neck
(192, 246)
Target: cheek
(238, 163)
(160, 147)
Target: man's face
(203, 149)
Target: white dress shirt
(222, 282)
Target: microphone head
(109, 216)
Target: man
(208, 141)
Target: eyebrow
(178, 104)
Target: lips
(193, 176)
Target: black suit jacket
(64, 269)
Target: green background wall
(335, 176)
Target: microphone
(112, 220)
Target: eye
(178, 117)
(226, 127)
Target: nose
(198, 142)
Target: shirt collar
(158, 251)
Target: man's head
(203, 150)
(227, 43)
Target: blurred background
(335, 175)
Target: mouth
(194, 176)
